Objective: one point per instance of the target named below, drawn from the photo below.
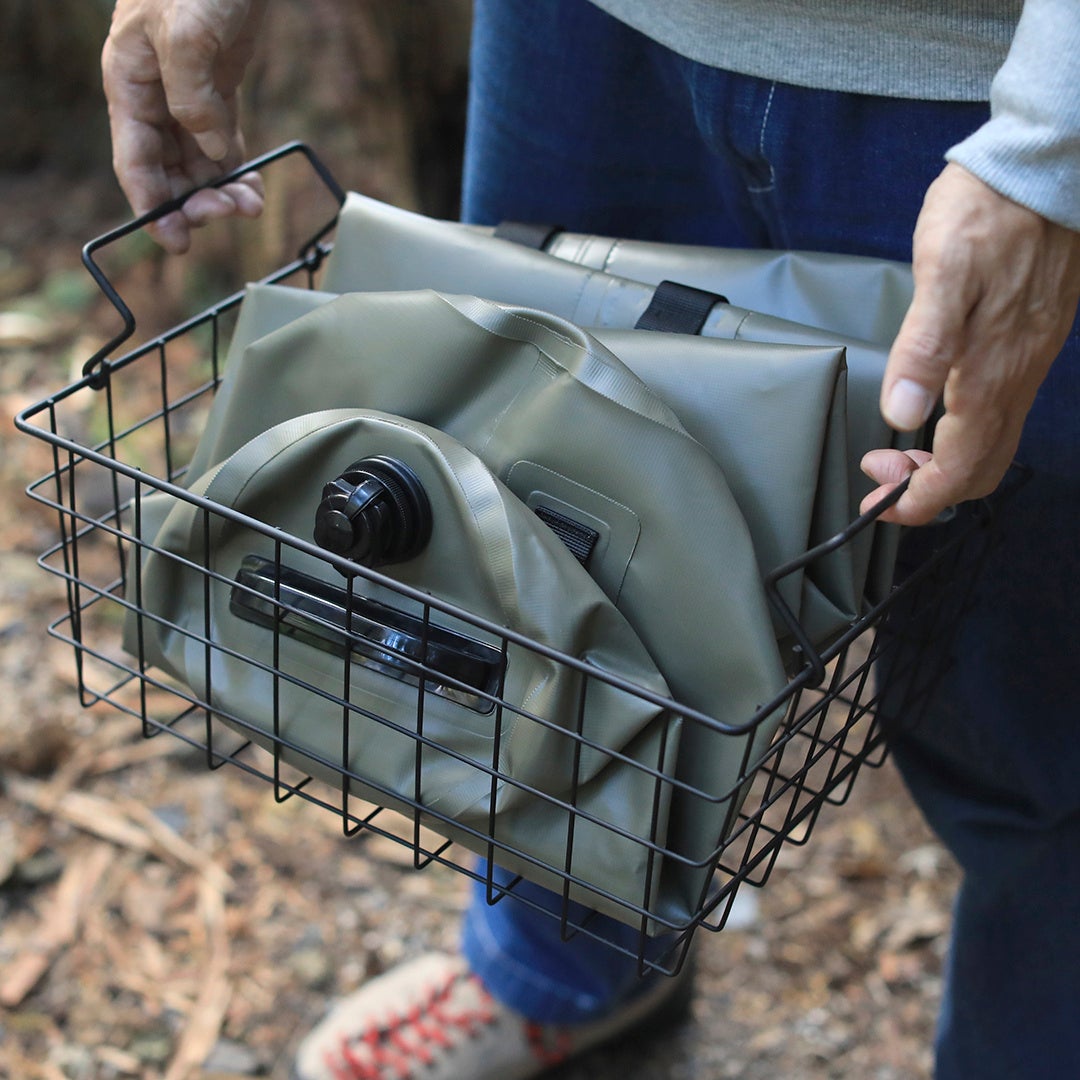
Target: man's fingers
(907, 404)
(189, 57)
(919, 360)
(892, 466)
(938, 480)
(202, 63)
(208, 204)
(204, 115)
(928, 492)
(138, 123)
(171, 73)
(172, 232)
(247, 194)
(140, 153)
(243, 197)
(933, 335)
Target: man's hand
(996, 291)
(171, 72)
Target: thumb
(932, 336)
(917, 368)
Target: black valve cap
(375, 513)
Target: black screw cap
(375, 513)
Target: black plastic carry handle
(311, 253)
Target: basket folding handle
(810, 652)
(310, 254)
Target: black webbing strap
(527, 233)
(579, 538)
(678, 309)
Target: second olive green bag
(521, 418)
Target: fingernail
(213, 145)
(908, 405)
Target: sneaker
(432, 1019)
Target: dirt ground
(159, 920)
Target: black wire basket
(140, 445)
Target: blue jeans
(577, 120)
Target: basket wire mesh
(97, 487)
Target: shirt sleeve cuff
(1029, 149)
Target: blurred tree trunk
(51, 106)
(377, 87)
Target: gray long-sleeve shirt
(1022, 56)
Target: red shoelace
(393, 1045)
